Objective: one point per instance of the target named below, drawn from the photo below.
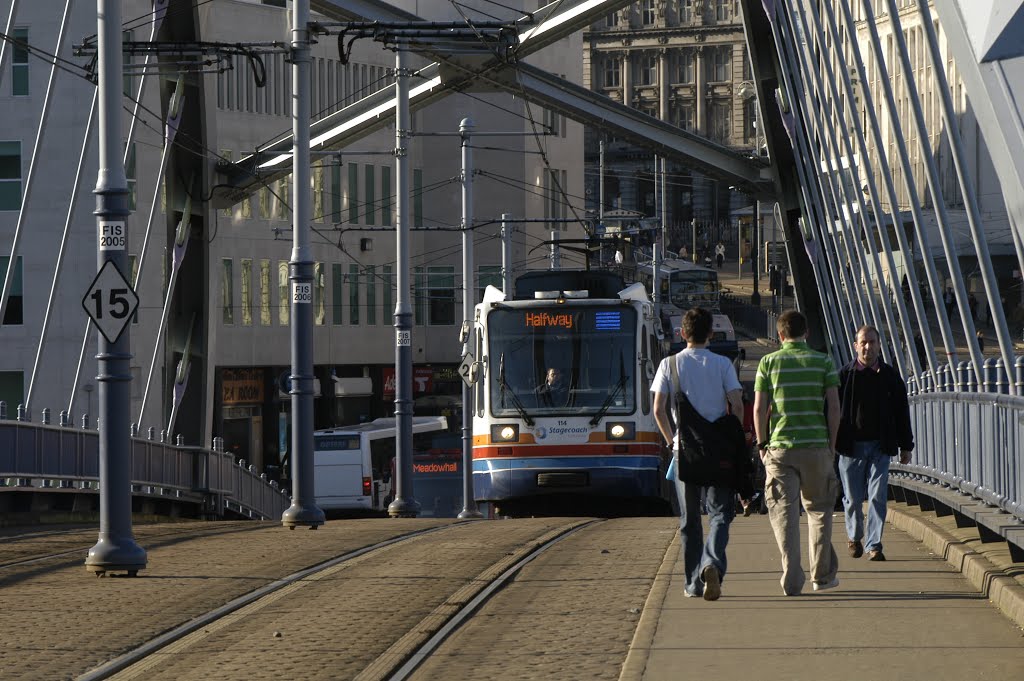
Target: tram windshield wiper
(620, 386)
(507, 390)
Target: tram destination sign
(110, 302)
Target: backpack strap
(674, 379)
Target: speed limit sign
(110, 302)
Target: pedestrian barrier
(44, 457)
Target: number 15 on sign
(110, 302)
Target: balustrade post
(85, 422)
(65, 419)
(22, 413)
(963, 372)
(151, 433)
(45, 415)
(3, 410)
(180, 440)
(988, 375)
(1018, 372)
(1002, 382)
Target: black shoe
(856, 548)
(876, 555)
(712, 583)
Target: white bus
(353, 465)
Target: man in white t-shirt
(710, 384)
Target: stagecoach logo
(540, 433)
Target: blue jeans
(698, 554)
(865, 476)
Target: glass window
(649, 70)
(441, 295)
(265, 318)
(337, 288)
(721, 121)
(417, 197)
(686, 61)
(385, 196)
(246, 291)
(369, 187)
(371, 294)
(647, 12)
(722, 12)
(611, 20)
(264, 201)
(283, 197)
(129, 172)
(15, 304)
(611, 72)
(721, 65)
(554, 188)
(353, 294)
(592, 349)
(19, 63)
(227, 292)
(283, 299)
(684, 116)
(419, 296)
(353, 193)
(228, 211)
(126, 36)
(387, 286)
(335, 192)
(319, 313)
(10, 175)
(487, 275)
(318, 192)
(12, 389)
(685, 11)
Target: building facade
(224, 353)
(684, 62)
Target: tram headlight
(505, 432)
(620, 431)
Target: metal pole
(469, 509)
(755, 297)
(600, 200)
(556, 262)
(506, 255)
(116, 548)
(656, 254)
(303, 510)
(664, 212)
(404, 504)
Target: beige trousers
(792, 475)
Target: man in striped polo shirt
(798, 388)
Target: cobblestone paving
(334, 624)
(59, 621)
(570, 614)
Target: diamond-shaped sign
(110, 302)
(466, 370)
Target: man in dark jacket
(873, 428)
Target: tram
(586, 437)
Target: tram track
(25, 555)
(174, 653)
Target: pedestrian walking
(706, 383)
(980, 335)
(949, 299)
(874, 426)
(797, 435)
(720, 254)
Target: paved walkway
(912, 617)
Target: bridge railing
(39, 456)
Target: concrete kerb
(643, 638)
(993, 581)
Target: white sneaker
(819, 586)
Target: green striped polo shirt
(795, 378)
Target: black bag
(710, 453)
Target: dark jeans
(698, 554)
